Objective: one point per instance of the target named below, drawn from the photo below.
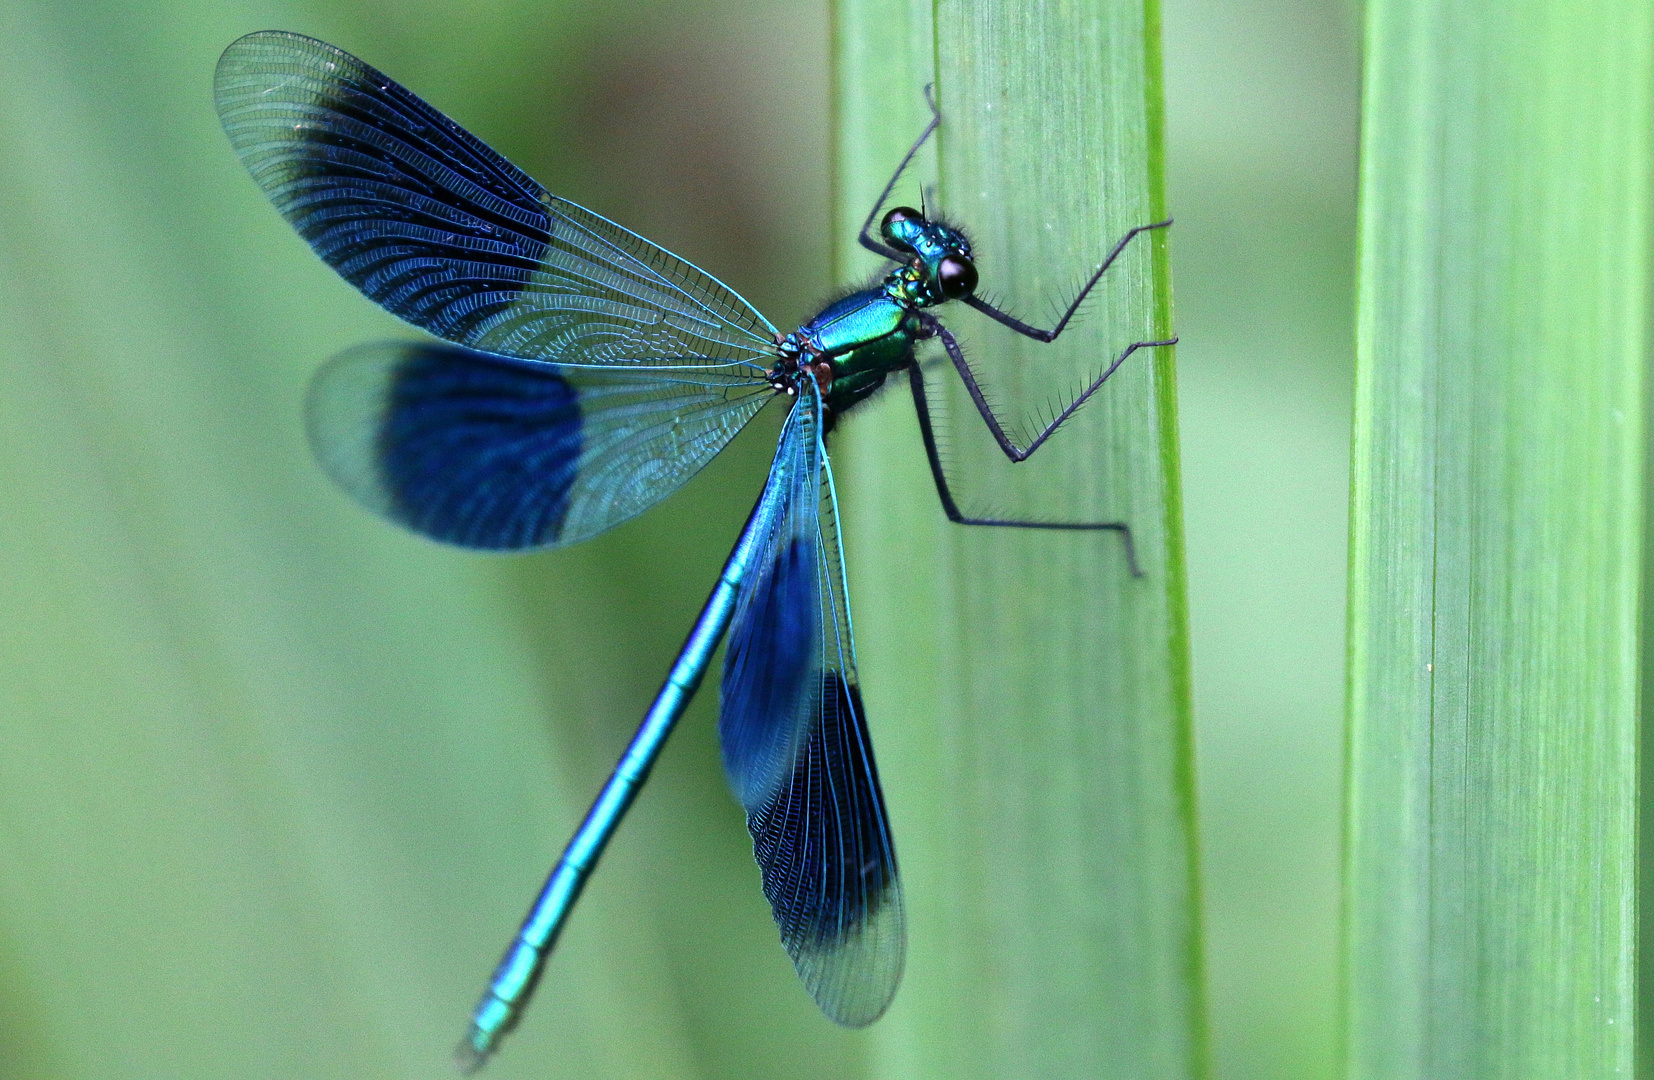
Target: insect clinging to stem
(582, 375)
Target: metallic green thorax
(855, 342)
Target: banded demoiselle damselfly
(583, 375)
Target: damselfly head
(941, 253)
(901, 226)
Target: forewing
(440, 230)
(798, 754)
(492, 452)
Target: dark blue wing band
(481, 454)
(821, 840)
(492, 452)
(404, 203)
(770, 665)
(429, 222)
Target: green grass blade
(1029, 698)
(1496, 534)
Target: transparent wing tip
(854, 978)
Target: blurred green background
(276, 780)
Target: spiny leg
(866, 237)
(1051, 335)
(921, 405)
(1011, 449)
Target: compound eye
(892, 229)
(957, 276)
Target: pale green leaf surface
(1028, 697)
(1496, 528)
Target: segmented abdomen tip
(468, 1056)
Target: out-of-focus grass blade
(1029, 698)
(1496, 534)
